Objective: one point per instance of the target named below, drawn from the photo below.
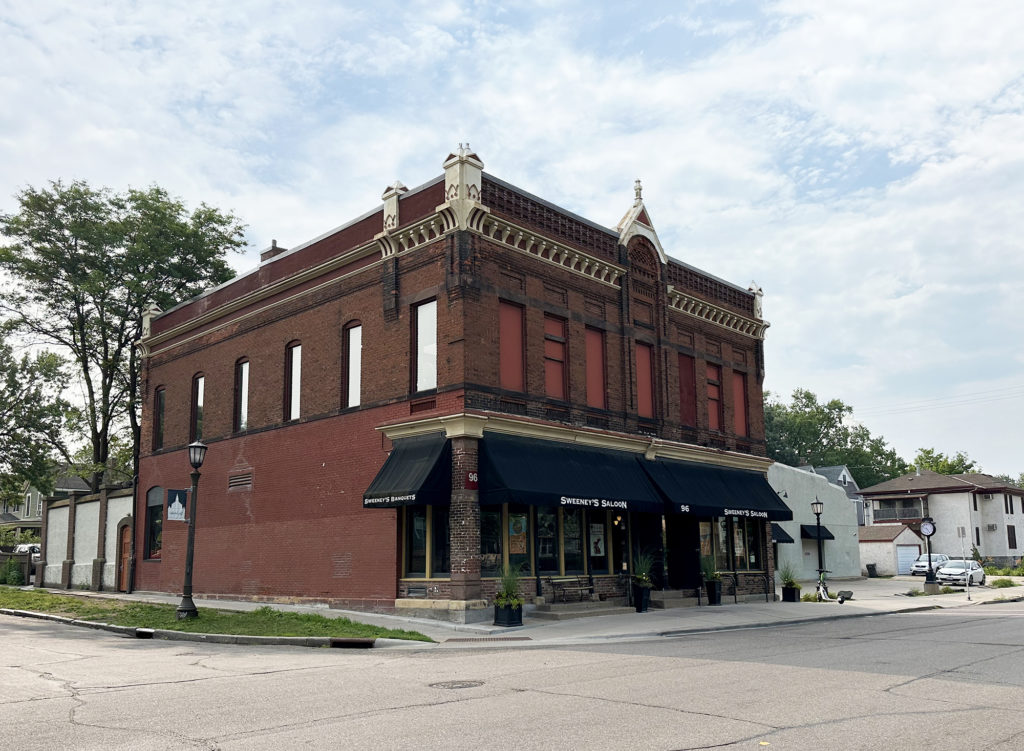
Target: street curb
(320, 642)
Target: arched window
(292, 380)
(352, 359)
(195, 431)
(153, 542)
(241, 412)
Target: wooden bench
(565, 585)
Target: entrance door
(124, 553)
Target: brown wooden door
(123, 558)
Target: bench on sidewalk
(561, 586)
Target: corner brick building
(465, 377)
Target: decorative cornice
(396, 242)
(550, 251)
(468, 425)
(719, 316)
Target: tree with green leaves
(936, 461)
(807, 431)
(32, 416)
(86, 263)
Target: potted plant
(508, 603)
(712, 580)
(790, 588)
(643, 563)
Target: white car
(920, 567)
(27, 547)
(958, 571)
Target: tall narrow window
(1011, 537)
(597, 391)
(425, 337)
(510, 347)
(554, 357)
(241, 418)
(195, 432)
(644, 380)
(687, 390)
(159, 406)
(292, 380)
(714, 376)
(154, 523)
(352, 346)
(739, 403)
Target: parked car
(920, 566)
(27, 547)
(957, 572)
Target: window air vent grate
(241, 481)
(422, 406)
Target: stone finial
(463, 183)
(148, 315)
(390, 196)
(638, 189)
(758, 297)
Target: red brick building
(466, 376)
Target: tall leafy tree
(32, 416)
(86, 263)
(808, 431)
(936, 461)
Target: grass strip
(264, 621)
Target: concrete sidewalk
(870, 597)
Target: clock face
(927, 529)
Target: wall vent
(240, 481)
(422, 406)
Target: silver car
(920, 567)
(958, 571)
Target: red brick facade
(280, 504)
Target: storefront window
(547, 540)
(440, 564)
(739, 544)
(619, 541)
(572, 536)
(416, 541)
(154, 522)
(599, 541)
(722, 545)
(490, 542)
(518, 538)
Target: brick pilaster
(464, 520)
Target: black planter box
(508, 616)
(791, 594)
(641, 598)
(713, 588)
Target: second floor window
(425, 341)
(159, 405)
(292, 380)
(554, 357)
(687, 391)
(352, 352)
(241, 413)
(511, 360)
(714, 376)
(644, 380)
(597, 389)
(195, 432)
(739, 404)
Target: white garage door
(905, 557)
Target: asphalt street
(944, 678)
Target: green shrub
(947, 590)
(809, 597)
(13, 575)
(914, 593)
(1003, 583)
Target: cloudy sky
(862, 161)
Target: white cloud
(862, 161)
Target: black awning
(810, 532)
(705, 490)
(780, 535)
(536, 472)
(418, 471)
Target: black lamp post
(196, 455)
(816, 507)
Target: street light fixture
(816, 509)
(187, 608)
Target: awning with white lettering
(417, 471)
(536, 472)
(707, 490)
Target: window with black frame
(427, 542)
(154, 523)
(490, 542)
